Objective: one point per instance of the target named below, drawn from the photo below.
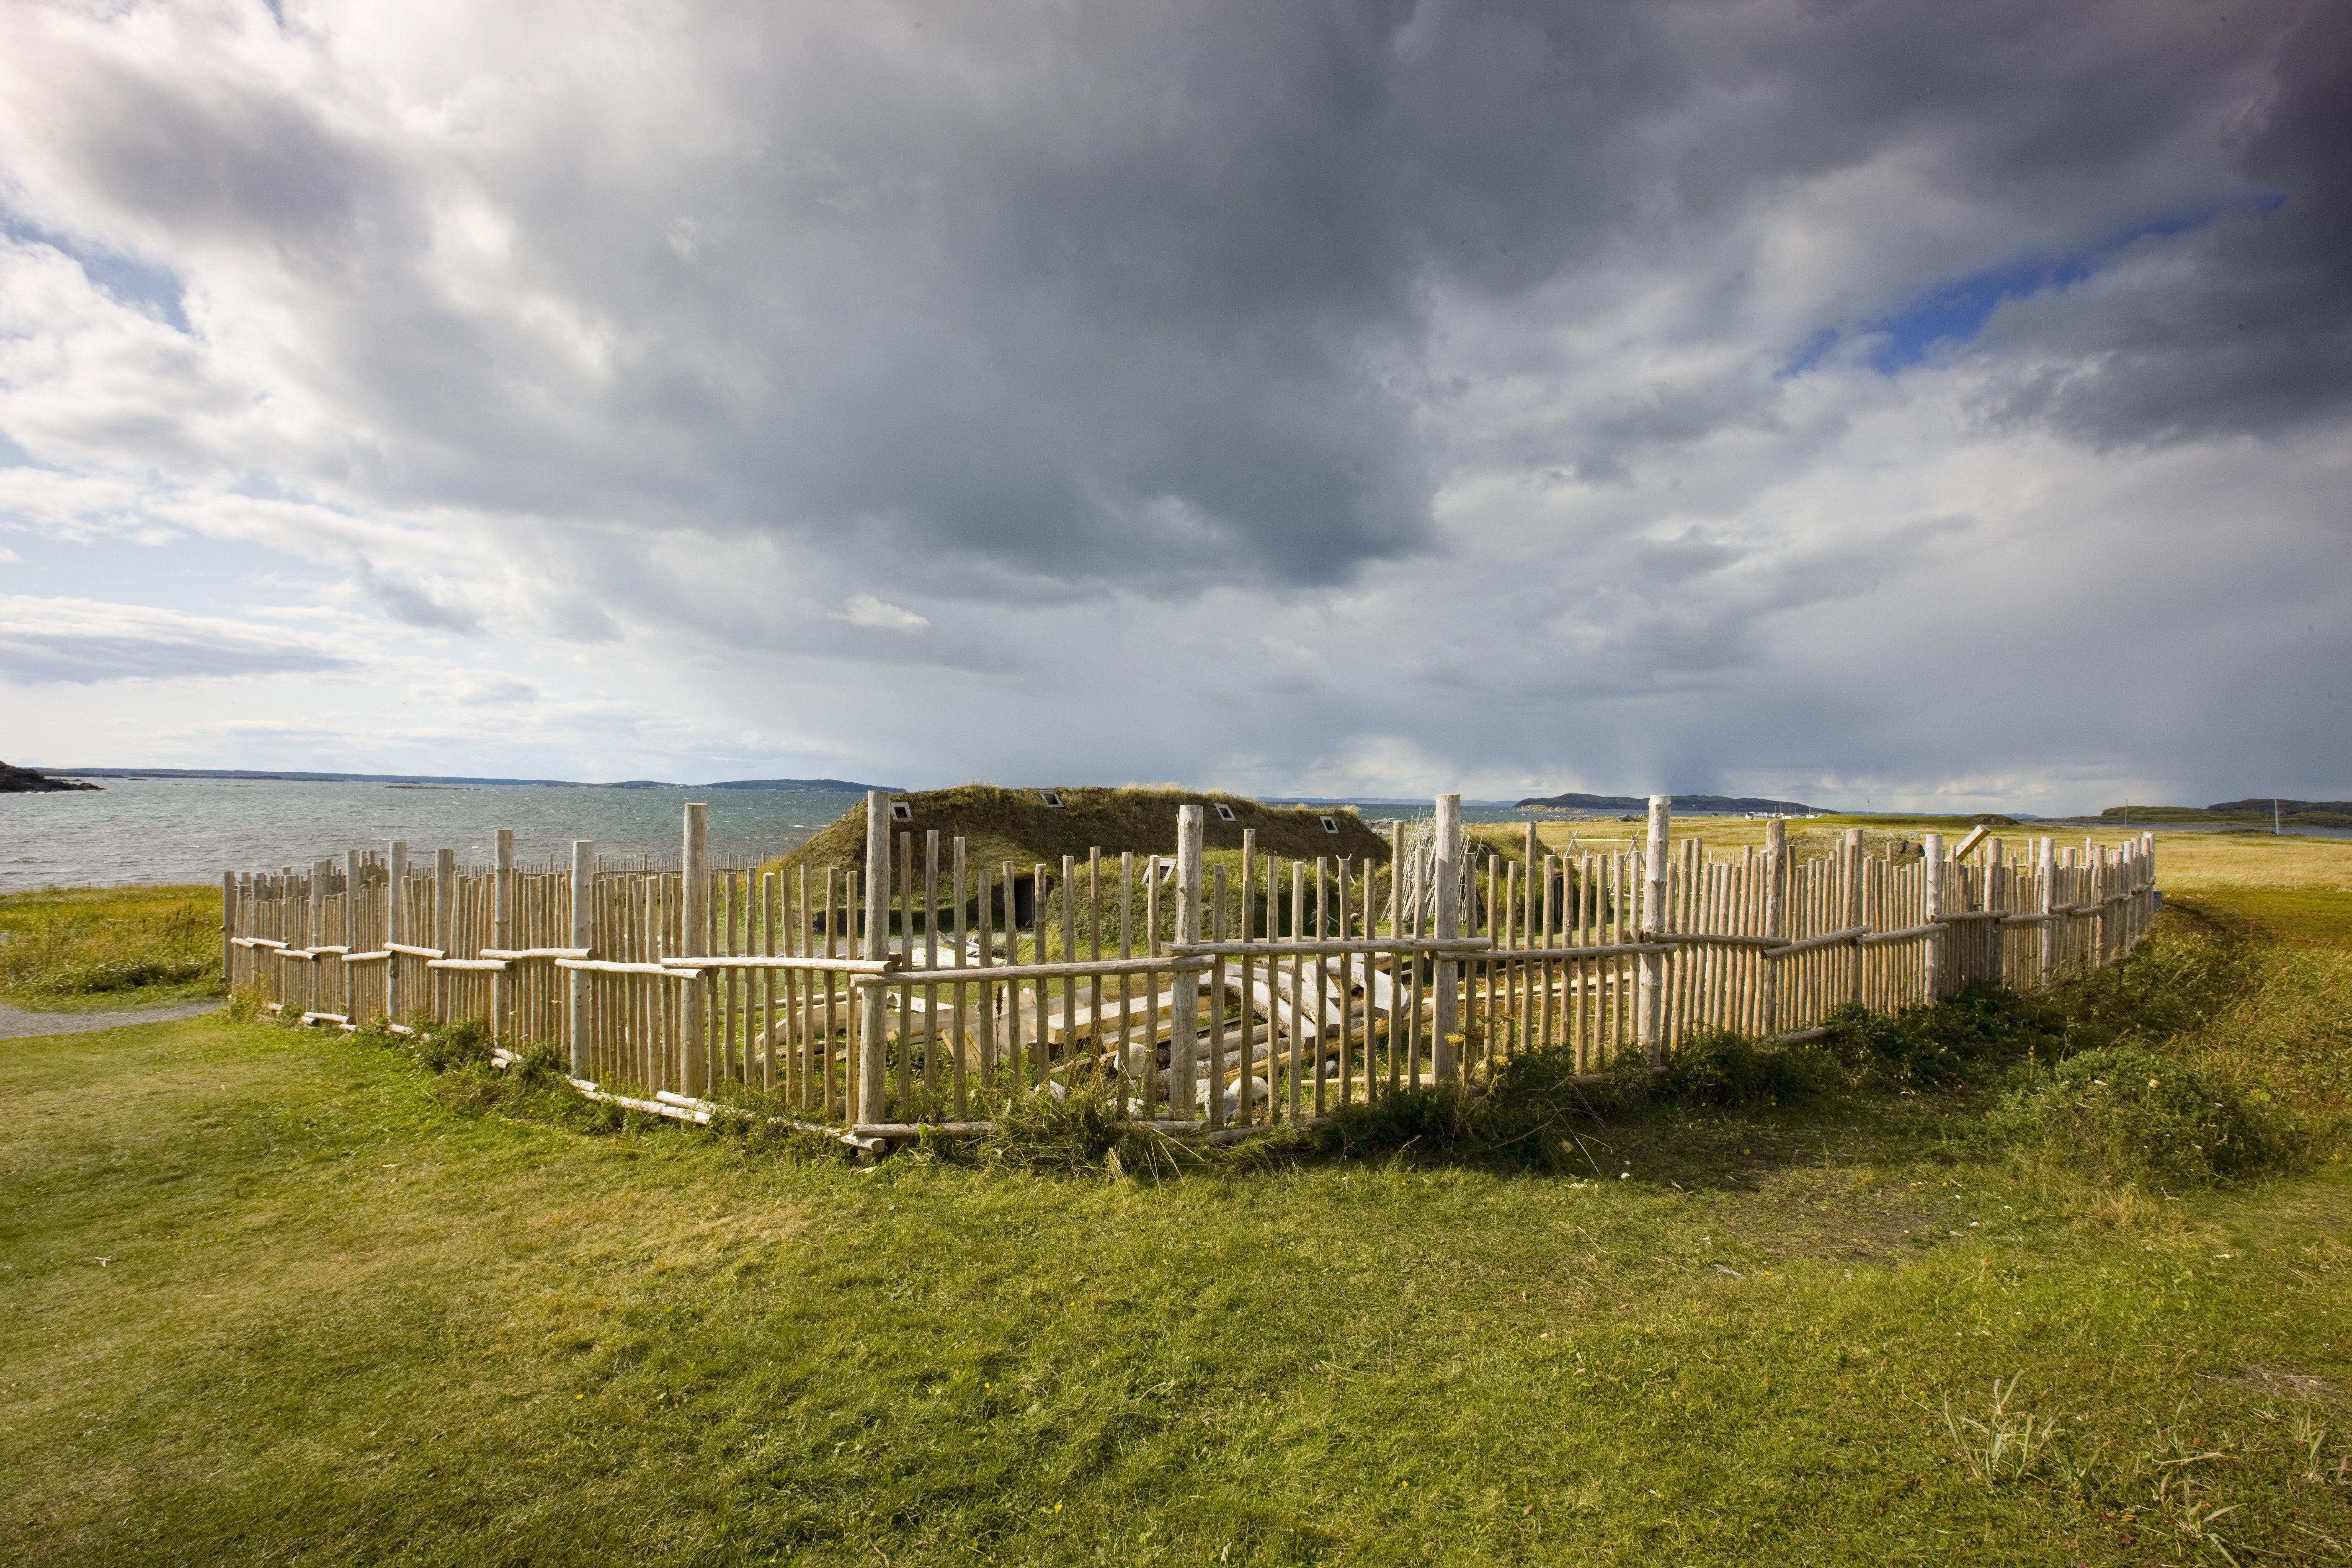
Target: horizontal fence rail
(1249, 993)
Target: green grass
(268, 1294)
(2320, 917)
(83, 948)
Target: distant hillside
(827, 785)
(2304, 813)
(1697, 805)
(1016, 824)
(2291, 812)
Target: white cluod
(866, 610)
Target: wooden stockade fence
(875, 1000)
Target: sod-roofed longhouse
(1024, 826)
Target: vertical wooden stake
(230, 933)
(1448, 1062)
(1649, 1001)
(875, 1009)
(583, 934)
(354, 878)
(502, 984)
(396, 928)
(961, 1049)
(1934, 843)
(1854, 905)
(693, 942)
(445, 926)
(1220, 1041)
(1776, 913)
(1183, 1037)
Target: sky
(1882, 405)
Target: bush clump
(2136, 1116)
(1723, 1068)
(1081, 1130)
(1967, 1040)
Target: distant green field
(2293, 914)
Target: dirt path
(16, 1024)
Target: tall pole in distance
(875, 1002)
(1650, 999)
(583, 935)
(1183, 1037)
(693, 942)
(1446, 1062)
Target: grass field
(273, 1295)
(74, 949)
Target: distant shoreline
(811, 786)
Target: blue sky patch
(132, 283)
(1954, 311)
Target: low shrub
(445, 1046)
(1973, 1036)
(1722, 1068)
(2133, 1115)
(1082, 1130)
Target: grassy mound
(2129, 1115)
(1016, 824)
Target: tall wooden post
(1776, 913)
(1445, 1064)
(2045, 898)
(2102, 878)
(1934, 844)
(1184, 1030)
(583, 935)
(228, 928)
(444, 927)
(314, 930)
(693, 942)
(396, 929)
(354, 876)
(1650, 998)
(1853, 902)
(355, 872)
(875, 1002)
(502, 990)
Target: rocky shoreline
(14, 780)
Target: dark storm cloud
(2246, 329)
(1143, 295)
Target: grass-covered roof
(1016, 824)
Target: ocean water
(191, 830)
